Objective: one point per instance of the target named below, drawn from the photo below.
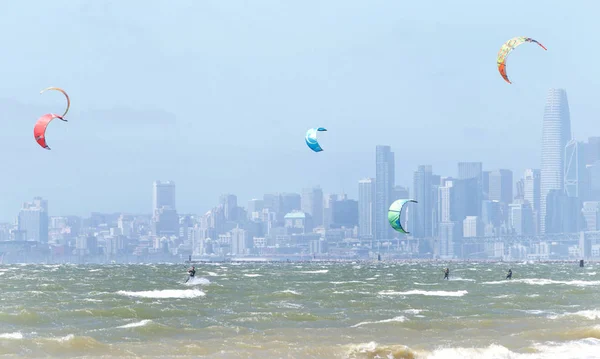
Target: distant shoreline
(332, 261)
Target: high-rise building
(255, 205)
(464, 199)
(520, 187)
(385, 170)
(312, 203)
(436, 181)
(282, 204)
(563, 213)
(467, 170)
(575, 173)
(241, 243)
(165, 220)
(531, 194)
(366, 208)
(449, 236)
(592, 150)
(399, 192)
(290, 202)
(163, 195)
(593, 180)
(470, 170)
(485, 186)
(33, 220)
(472, 227)
(520, 217)
(344, 213)
(229, 203)
(556, 133)
(421, 217)
(501, 186)
(591, 215)
(445, 195)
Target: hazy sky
(217, 95)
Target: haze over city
(217, 96)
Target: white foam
(289, 291)
(399, 319)
(580, 349)
(459, 279)
(136, 324)
(542, 281)
(315, 271)
(252, 275)
(437, 293)
(413, 311)
(197, 281)
(588, 314)
(166, 293)
(15, 335)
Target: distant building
(556, 132)
(230, 207)
(575, 170)
(298, 222)
(241, 242)
(312, 203)
(591, 214)
(165, 222)
(501, 186)
(33, 220)
(366, 208)
(472, 227)
(531, 194)
(385, 174)
(163, 195)
(344, 213)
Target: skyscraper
(501, 186)
(312, 203)
(592, 150)
(33, 220)
(468, 170)
(229, 203)
(255, 205)
(422, 214)
(556, 133)
(366, 208)
(531, 192)
(575, 170)
(165, 221)
(384, 182)
(163, 195)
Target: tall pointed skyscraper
(556, 133)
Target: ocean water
(300, 310)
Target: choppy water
(360, 310)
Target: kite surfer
(446, 273)
(192, 273)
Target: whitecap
(399, 319)
(15, 335)
(437, 293)
(166, 293)
(136, 324)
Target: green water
(360, 310)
